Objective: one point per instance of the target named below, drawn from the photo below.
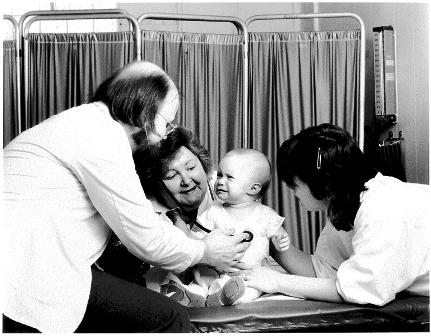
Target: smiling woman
(186, 178)
(177, 173)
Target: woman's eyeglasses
(170, 127)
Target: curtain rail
(241, 29)
(27, 15)
(69, 15)
(54, 17)
(17, 71)
(360, 120)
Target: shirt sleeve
(272, 220)
(114, 189)
(327, 256)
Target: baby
(242, 178)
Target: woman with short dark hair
(375, 243)
(339, 176)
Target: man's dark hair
(134, 99)
(329, 161)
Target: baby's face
(233, 180)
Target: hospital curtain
(10, 94)
(65, 69)
(299, 80)
(295, 80)
(208, 72)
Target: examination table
(275, 314)
(279, 313)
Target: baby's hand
(281, 240)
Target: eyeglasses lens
(170, 127)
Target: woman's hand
(268, 280)
(264, 279)
(222, 249)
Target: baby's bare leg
(205, 276)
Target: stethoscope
(178, 211)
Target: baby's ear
(254, 189)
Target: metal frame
(29, 14)
(34, 16)
(30, 17)
(241, 29)
(18, 80)
(362, 54)
(395, 71)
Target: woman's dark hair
(133, 99)
(329, 161)
(151, 162)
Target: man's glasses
(170, 127)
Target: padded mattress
(406, 313)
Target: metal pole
(18, 71)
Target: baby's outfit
(261, 220)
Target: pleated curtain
(208, 71)
(65, 69)
(296, 80)
(10, 93)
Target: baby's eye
(191, 167)
(219, 175)
(230, 177)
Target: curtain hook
(319, 159)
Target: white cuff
(200, 249)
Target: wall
(239, 10)
(18, 8)
(411, 24)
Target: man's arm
(223, 249)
